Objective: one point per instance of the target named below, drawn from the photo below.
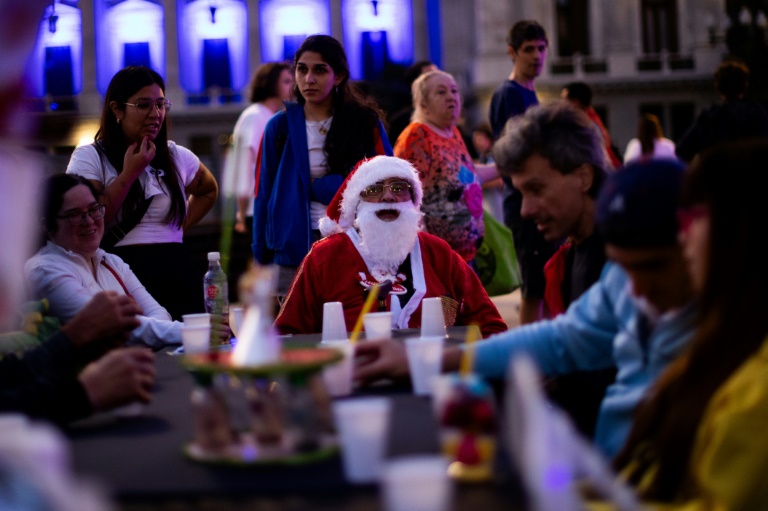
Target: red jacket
(334, 271)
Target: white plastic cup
(378, 325)
(338, 377)
(416, 483)
(201, 319)
(236, 315)
(432, 319)
(425, 356)
(363, 426)
(196, 339)
(334, 326)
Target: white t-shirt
(663, 148)
(66, 280)
(247, 135)
(87, 161)
(318, 164)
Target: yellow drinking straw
(373, 292)
(468, 357)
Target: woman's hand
(138, 156)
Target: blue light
(120, 28)
(283, 22)
(56, 63)
(376, 33)
(213, 36)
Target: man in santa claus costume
(373, 235)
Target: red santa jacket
(334, 271)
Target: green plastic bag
(496, 259)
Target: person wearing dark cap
(638, 316)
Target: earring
(336, 90)
(119, 120)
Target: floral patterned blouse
(453, 199)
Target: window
(659, 19)
(572, 27)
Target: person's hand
(108, 317)
(220, 331)
(375, 360)
(138, 156)
(120, 377)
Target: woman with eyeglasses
(307, 151)
(154, 189)
(698, 440)
(71, 268)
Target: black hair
(354, 116)
(526, 30)
(580, 92)
(264, 84)
(56, 187)
(732, 79)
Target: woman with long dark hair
(154, 189)
(307, 151)
(699, 440)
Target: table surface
(140, 460)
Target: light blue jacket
(599, 330)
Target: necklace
(323, 127)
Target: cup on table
(236, 315)
(201, 319)
(334, 326)
(425, 356)
(196, 339)
(338, 377)
(432, 319)
(416, 483)
(378, 325)
(363, 426)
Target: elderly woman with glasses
(154, 189)
(71, 268)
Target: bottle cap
(214, 256)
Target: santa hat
(342, 210)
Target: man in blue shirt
(638, 316)
(527, 45)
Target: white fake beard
(385, 245)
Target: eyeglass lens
(78, 218)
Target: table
(141, 461)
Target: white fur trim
(376, 169)
(328, 227)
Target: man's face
(529, 58)
(657, 274)
(558, 203)
(390, 190)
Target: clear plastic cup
(236, 315)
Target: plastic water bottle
(216, 289)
